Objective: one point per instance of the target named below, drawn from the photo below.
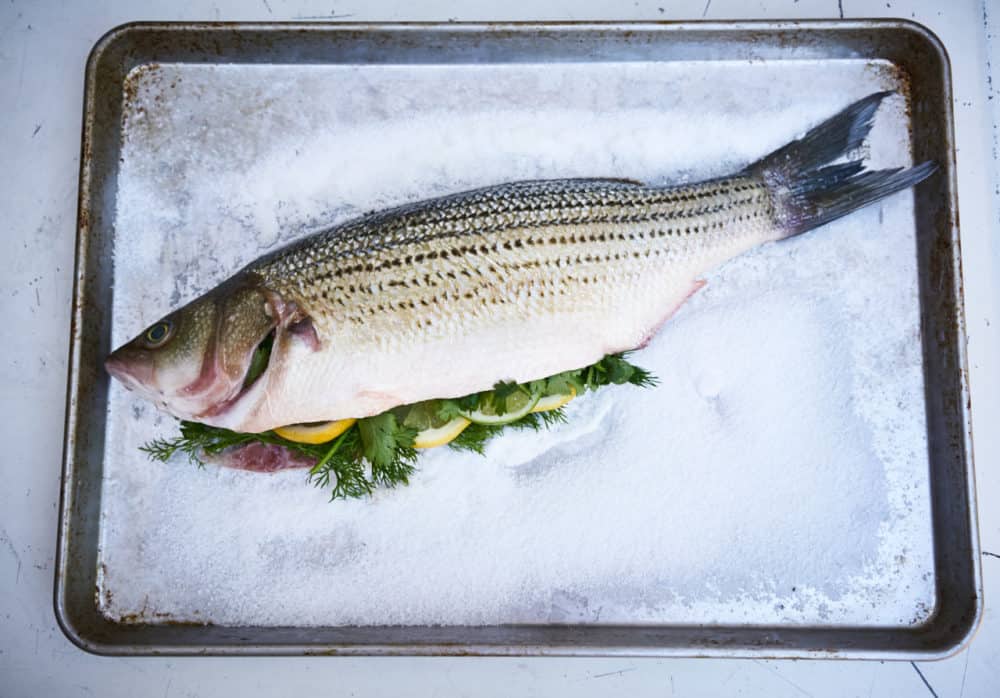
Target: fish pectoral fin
(294, 320)
(305, 330)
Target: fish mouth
(134, 375)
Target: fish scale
(544, 237)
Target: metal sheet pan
(921, 71)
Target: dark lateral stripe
(482, 295)
(509, 269)
(406, 229)
(485, 247)
(403, 225)
(560, 200)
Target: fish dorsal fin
(622, 180)
(570, 182)
(593, 180)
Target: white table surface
(43, 48)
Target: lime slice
(518, 403)
(554, 402)
(421, 415)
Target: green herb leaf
(564, 384)
(475, 437)
(619, 370)
(449, 410)
(382, 436)
(501, 391)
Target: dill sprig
(378, 451)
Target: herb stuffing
(379, 451)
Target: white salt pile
(777, 475)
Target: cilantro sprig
(378, 451)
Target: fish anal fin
(305, 330)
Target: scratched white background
(43, 47)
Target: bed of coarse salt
(777, 475)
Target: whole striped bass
(519, 281)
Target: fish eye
(158, 334)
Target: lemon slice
(439, 436)
(518, 404)
(553, 402)
(315, 433)
(431, 429)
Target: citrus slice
(554, 402)
(518, 404)
(318, 433)
(432, 430)
(439, 436)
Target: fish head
(195, 361)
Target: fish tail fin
(808, 192)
